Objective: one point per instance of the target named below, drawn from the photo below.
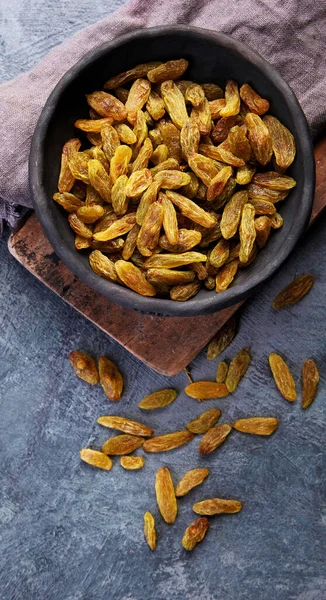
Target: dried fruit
(206, 390)
(171, 179)
(294, 291)
(174, 103)
(276, 221)
(195, 533)
(130, 243)
(237, 368)
(283, 142)
(120, 162)
(191, 210)
(160, 155)
(133, 278)
(110, 141)
(262, 207)
(274, 181)
(222, 339)
(201, 115)
(232, 214)
(93, 125)
(132, 463)
(232, 98)
(78, 165)
(134, 73)
(165, 495)
(170, 222)
(119, 197)
(190, 190)
(218, 183)
(247, 232)
(102, 265)
(81, 243)
(99, 179)
(256, 425)
(220, 253)
(222, 128)
(142, 160)
(96, 459)
(239, 144)
(190, 480)
(205, 421)
(126, 425)
(122, 444)
(90, 214)
(170, 261)
(150, 230)
(204, 167)
(181, 293)
(282, 377)
(110, 378)
(214, 437)
(84, 366)
(173, 69)
(79, 227)
(169, 276)
(155, 106)
(107, 105)
(245, 174)
(212, 91)
(116, 228)
(216, 506)
(68, 201)
(156, 136)
(189, 138)
(263, 229)
(221, 372)
(170, 136)
(140, 131)
(138, 182)
(186, 239)
(255, 103)
(158, 399)
(257, 192)
(137, 98)
(194, 94)
(66, 179)
(169, 441)
(149, 530)
(310, 379)
(259, 138)
(125, 134)
(146, 200)
(216, 106)
(221, 153)
(166, 165)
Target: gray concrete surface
(70, 532)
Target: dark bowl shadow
(212, 57)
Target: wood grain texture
(167, 344)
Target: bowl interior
(212, 58)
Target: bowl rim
(124, 296)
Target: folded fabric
(288, 33)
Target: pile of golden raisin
(179, 186)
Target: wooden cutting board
(167, 344)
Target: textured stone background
(73, 533)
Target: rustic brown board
(167, 344)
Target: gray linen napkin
(291, 34)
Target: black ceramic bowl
(212, 57)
